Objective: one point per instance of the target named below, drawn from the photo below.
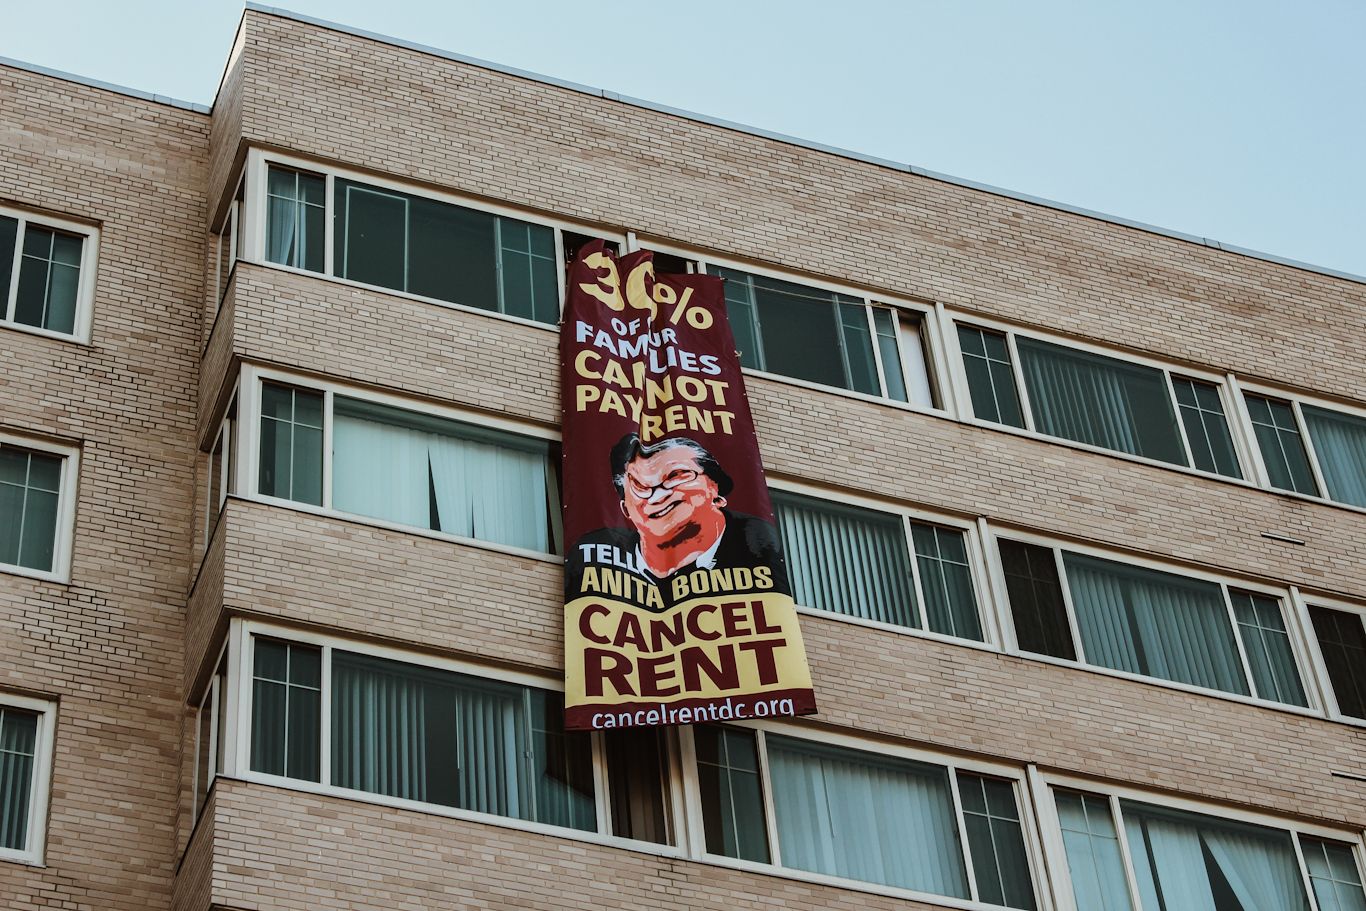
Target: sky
(1237, 120)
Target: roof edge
(105, 86)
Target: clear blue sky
(1240, 120)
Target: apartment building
(1073, 509)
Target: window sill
(909, 631)
(69, 337)
(49, 576)
(327, 513)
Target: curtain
(846, 560)
(1093, 853)
(380, 470)
(1269, 655)
(1168, 862)
(490, 742)
(282, 224)
(1100, 401)
(866, 817)
(1259, 866)
(18, 733)
(946, 582)
(1154, 623)
(490, 492)
(379, 729)
(1340, 444)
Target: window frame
(977, 564)
(85, 285)
(953, 764)
(1307, 664)
(40, 787)
(63, 543)
(226, 436)
(1322, 682)
(1045, 783)
(213, 701)
(254, 239)
(248, 443)
(903, 308)
(228, 234)
(241, 649)
(1296, 401)
(1228, 399)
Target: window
(209, 735)
(1342, 642)
(897, 821)
(1151, 623)
(447, 739)
(295, 216)
(1097, 400)
(827, 338)
(35, 507)
(1339, 442)
(730, 786)
(1281, 444)
(1310, 449)
(219, 470)
(25, 748)
(1186, 861)
(409, 468)
(43, 284)
(227, 247)
(878, 566)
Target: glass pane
(9, 238)
(1342, 640)
(800, 332)
(277, 402)
(1036, 600)
(1202, 413)
(999, 860)
(307, 470)
(451, 254)
(741, 312)
(1094, 861)
(1190, 861)
(373, 236)
(1100, 400)
(1334, 874)
(271, 661)
(858, 347)
(886, 326)
(268, 715)
(275, 458)
(18, 743)
(1269, 654)
(1340, 446)
(303, 733)
(545, 290)
(946, 582)
(39, 536)
(636, 776)
(1154, 623)
(1278, 438)
(314, 247)
(864, 816)
(562, 766)
(991, 380)
(30, 305)
(732, 803)
(847, 560)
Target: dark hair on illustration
(629, 448)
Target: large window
(36, 481)
(827, 338)
(1178, 860)
(409, 468)
(25, 748)
(1309, 449)
(43, 273)
(414, 243)
(878, 566)
(1150, 622)
(1098, 400)
(1341, 638)
(864, 816)
(442, 738)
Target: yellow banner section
(706, 649)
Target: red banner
(677, 602)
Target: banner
(677, 602)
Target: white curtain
(1340, 444)
(864, 817)
(284, 221)
(846, 560)
(1260, 867)
(1154, 623)
(490, 492)
(1093, 854)
(380, 470)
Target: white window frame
(227, 430)
(1227, 399)
(682, 792)
(254, 236)
(904, 311)
(1296, 401)
(977, 564)
(1045, 783)
(40, 787)
(66, 506)
(245, 632)
(1302, 603)
(1305, 665)
(211, 701)
(1024, 801)
(249, 448)
(85, 286)
(228, 235)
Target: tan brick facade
(129, 644)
